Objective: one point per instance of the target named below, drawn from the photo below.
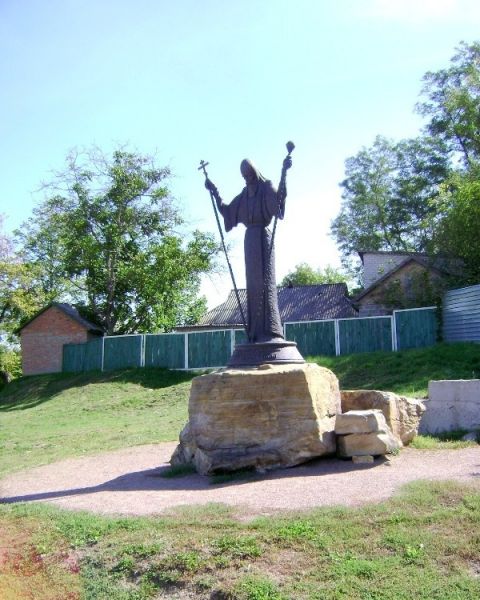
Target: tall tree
(304, 274)
(458, 231)
(386, 196)
(107, 235)
(453, 103)
(21, 291)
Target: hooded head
(250, 172)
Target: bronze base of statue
(274, 352)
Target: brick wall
(42, 341)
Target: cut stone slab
(452, 404)
(368, 459)
(402, 414)
(360, 421)
(267, 417)
(364, 444)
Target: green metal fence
(209, 349)
(313, 338)
(165, 350)
(411, 328)
(416, 328)
(83, 357)
(365, 335)
(122, 352)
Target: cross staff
(202, 167)
(281, 189)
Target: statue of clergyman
(255, 207)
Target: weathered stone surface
(364, 444)
(363, 460)
(360, 421)
(452, 404)
(402, 414)
(265, 417)
(471, 436)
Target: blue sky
(220, 81)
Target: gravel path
(129, 482)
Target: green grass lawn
(47, 418)
(423, 544)
(407, 372)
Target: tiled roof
(296, 303)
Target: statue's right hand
(209, 185)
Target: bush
(10, 365)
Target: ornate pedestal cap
(274, 352)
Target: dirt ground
(130, 482)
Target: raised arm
(282, 186)
(213, 190)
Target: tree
(304, 274)
(21, 293)
(453, 103)
(386, 196)
(458, 231)
(107, 238)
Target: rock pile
(364, 433)
(402, 414)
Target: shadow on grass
(28, 392)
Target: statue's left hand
(287, 163)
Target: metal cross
(202, 166)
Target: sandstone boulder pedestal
(265, 417)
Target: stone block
(268, 417)
(360, 421)
(452, 404)
(368, 459)
(363, 444)
(402, 414)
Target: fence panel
(240, 336)
(416, 328)
(313, 338)
(461, 315)
(122, 352)
(82, 357)
(365, 335)
(209, 349)
(73, 358)
(165, 350)
(93, 355)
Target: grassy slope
(46, 418)
(407, 372)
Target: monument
(268, 408)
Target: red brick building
(43, 337)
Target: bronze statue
(255, 207)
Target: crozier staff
(255, 207)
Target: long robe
(256, 213)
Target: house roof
(434, 265)
(71, 312)
(295, 303)
(445, 264)
(361, 253)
